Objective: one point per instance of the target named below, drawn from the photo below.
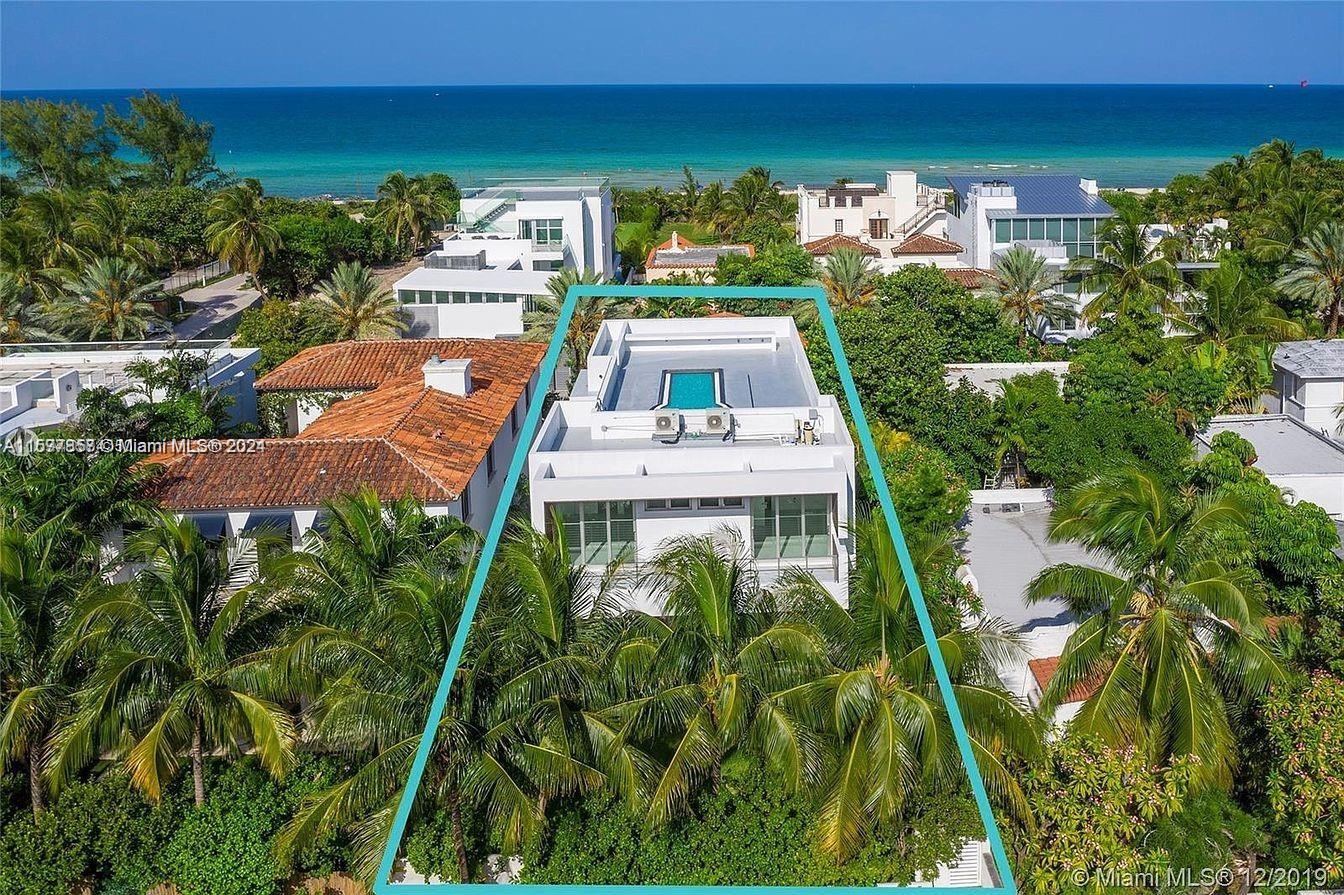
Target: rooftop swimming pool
(691, 390)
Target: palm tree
(880, 706)
(1283, 227)
(1024, 286)
(1231, 313)
(180, 665)
(1012, 426)
(20, 318)
(358, 305)
(407, 209)
(540, 322)
(1173, 638)
(634, 241)
(1315, 273)
(689, 197)
(849, 278)
(753, 196)
(38, 589)
(239, 233)
(716, 676)
(51, 214)
(671, 307)
(103, 228)
(711, 208)
(110, 301)
(1128, 273)
(386, 588)
(23, 256)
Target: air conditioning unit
(718, 422)
(666, 424)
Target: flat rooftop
(1005, 550)
(752, 375)
(1283, 446)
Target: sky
(52, 44)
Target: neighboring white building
(1057, 216)
(40, 384)
(685, 426)
(881, 218)
(1302, 462)
(1309, 383)
(437, 420)
(989, 378)
(510, 239)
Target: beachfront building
(1057, 216)
(434, 419)
(881, 218)
(678, 255)
(693, 426)
(508, 240)
(1309, 383)
(40, 384)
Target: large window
(596, 532)
(543, 231)
(793, 526)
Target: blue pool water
(690, 390)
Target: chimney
(451, 376)
(676, 243)
(1088, 186)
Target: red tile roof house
(436, 419)
(1042, 672)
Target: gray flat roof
(752, 377)
(1283, 446)
(1040, 194)
(1312, 359)
(1005, 551)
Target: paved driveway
(214, 304)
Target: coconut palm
(1231, 312)
(1282, 228)
(1171, 637)
(109, 300)
(180, 665)
(1128, 274)
(754, 196)
(848, 278)
(23, 256)
(689, 195)
(21, 320)
(1024, 286)
(540, 322)
(711, 207)
(407, 209)
(880, 706)
(1013, 426)
(358, 305)
(716, 676)
(635, 240)
(39, 587)
(103, 229)
(51, 214)
(239, 233)
(1315, 273)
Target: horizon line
(489, 86)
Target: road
(213, 305)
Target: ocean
(342, 140)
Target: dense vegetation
(102, 206)
(166, 727)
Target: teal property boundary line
(382, 884)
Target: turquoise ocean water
(342, 140)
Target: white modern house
(1057, 216)
(509, 239)
(1305, 464)
(1309, 383)
(880, 217)
(433, 419)
(691, 426)
(41, 383)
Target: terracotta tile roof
(1044, 671)
(399, 436)
(828, 244)
(970, 277)
(681, 252)
(924, 244)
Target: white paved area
(214, 304)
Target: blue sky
(71, 45)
